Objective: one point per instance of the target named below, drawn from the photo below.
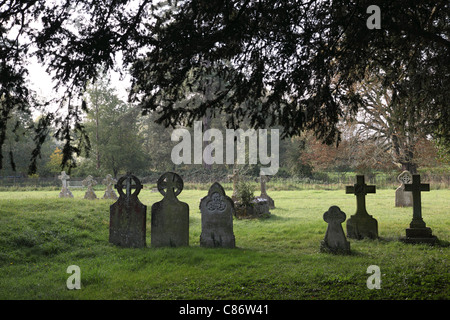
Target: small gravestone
(361, 225)
(128, 216)
(109, 192)
(418, 232)
(170, 216)
(335, 240)
(235, 178)
(89, 182)
(217, 219)
(403, 198)
(65, 192)
(264, 179)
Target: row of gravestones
(89, 182)
(170, 217)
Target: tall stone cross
(109, 192)
(263, 179)
(361, 225)
(64, 177)
(65, 192)
(418, 231)
(89, 182)
(235, 178)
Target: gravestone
(403, 198)
(65, 192)
(263, 180)
(128, 216)
(89, 182)
(109, 192)
(418, 232)
(170, 216)
(217, 219)
(235, 178)
(335, 240)
(361, 225)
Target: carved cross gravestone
(235, 178)
(403, 198)
(65, 192)
(264, 179)
(418, 232)
(90, 182)
(170, 216)
(109, 192)
(335, 241)
(217, 219)
(128, 216)
(361, 225)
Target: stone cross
(65, 192)
(418, 231)
(235, 178)
(128, 216)
(109, 192)
(335, 241)
(217, 219)
(403, 198)
(89, 182)
(263, 179)
(361, 225)
(170, 216)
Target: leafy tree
(288, 63)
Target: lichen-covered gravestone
(217, 219)
(170, 216)
(361, 224)
(418, 232)
(128, 216)
(335, 240)
(109, 192)
(403, 198)
(65, 192)
(263, 180)
(89, 182)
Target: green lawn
(276, 258)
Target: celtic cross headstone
(403, 198)
(65, 192)
(334, 241)
(418, 232)
(361, 224)
(170, 216)
(128, 216)
(89, 182)
(217, 219)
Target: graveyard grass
(276, 258)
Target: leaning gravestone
(170, 216)
(263, 179)
(403, 198)
(109, 192)
(90, 182)
(65, 192)
(128, 216)
(217, 219)
(361, 225)
(335, 241)
(418, 232)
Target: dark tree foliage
(288, 63)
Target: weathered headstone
(263, 180)
(128, 216)
(89, 182)
(170, 216)
(403, 198)
(418, 232)
(335, 240)
(235, 178)
(109, 192)
(65, 192)
(217, 219)
(361, 225)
